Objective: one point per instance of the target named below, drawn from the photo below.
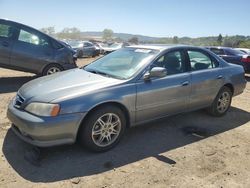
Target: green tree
(70, 33)
(48, 30)
(107, 34)
(245, 44)
(134, 40)
(175, 40)
(219, 39)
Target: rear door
(7, 33)
(32, 51)
(205, 78)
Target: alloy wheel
(53, 70)
(223, 102)
(106, 129)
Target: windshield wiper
(98, 72)
(103, 74)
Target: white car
(114, 47)
(246, 50)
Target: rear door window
(200, 61)
(33, 39)
(218, 51)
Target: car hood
(64, 85)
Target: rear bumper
(247, 67)
(44, 131)
(239, 88)
(69, 66)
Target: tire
(221, 103)
(51, 69)
(102, 129)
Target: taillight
(245, 59)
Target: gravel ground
(188, 150)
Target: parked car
(99, 46)
(113, 47)
(27, 49)
(125, 88)
(246, 50)
(84, 48)
(233, 56)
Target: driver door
(160, 97)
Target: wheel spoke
(109, 118)
(108, 137)
(115, 124)
(97, 132)
(101, 122)
(114, 131)
(101, 138)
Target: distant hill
(123, 36)
(233, 41)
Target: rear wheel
(51, 69)
(103, 129)
(222, 102)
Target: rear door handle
(185, 83)
(219, 77)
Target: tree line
(108, 35)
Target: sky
(157, 18)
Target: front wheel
(222, 102)
(103, 129)
(51, 69)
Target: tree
(107, 34)
(219, 39)
(48, 30)
(70, 33)
(175, 40)
(134, 40)
(245, 44)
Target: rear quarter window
(217, 51)
(200, 61)
(6, 31)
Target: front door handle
(219, 77)
(185, 83)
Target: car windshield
(121, 64)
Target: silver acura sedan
(128, 87)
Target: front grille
(18, 101)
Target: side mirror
(157, 72)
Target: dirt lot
(190, 150)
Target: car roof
(219, 47)
(162, 47)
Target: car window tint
(28, 37)
(218, 51)
(87, 44)
(200, 61)
(172, 61)
(6, 31)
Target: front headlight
(43, 109)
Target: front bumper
(44, 131)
